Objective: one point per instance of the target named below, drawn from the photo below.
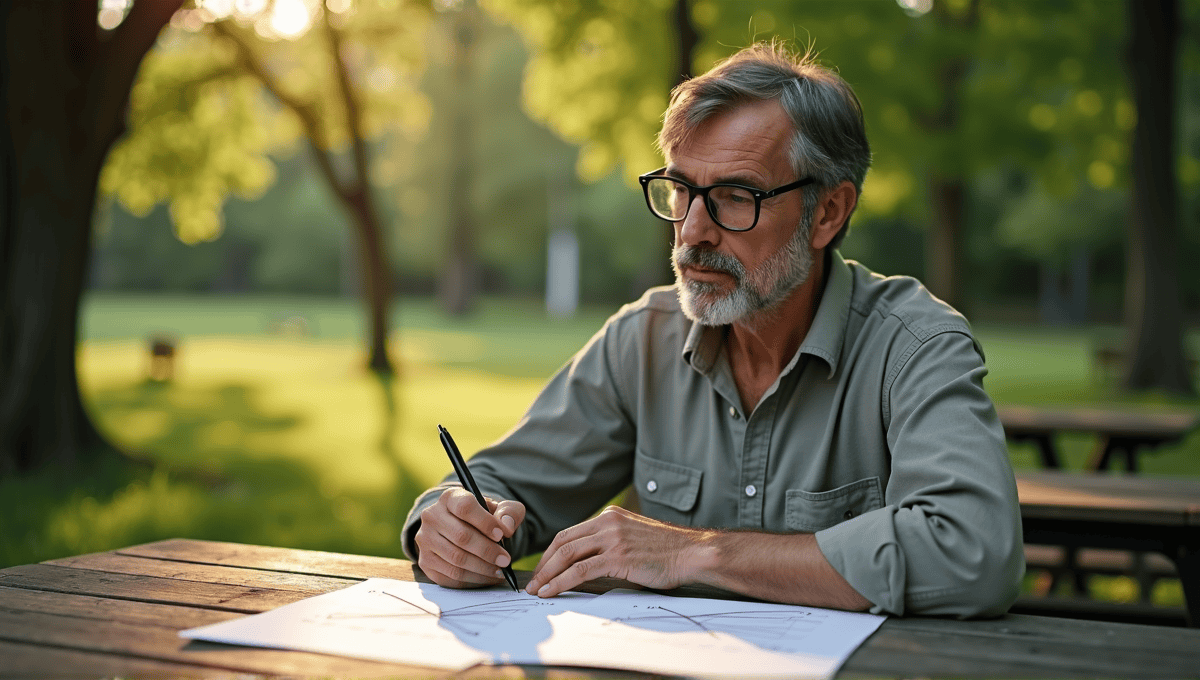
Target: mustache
(708, 258)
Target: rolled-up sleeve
(948, 540)
(570, 453)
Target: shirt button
(733, 412)
(651, 486)
(849, 514)
(750, 490)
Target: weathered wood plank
(245, 600)
(175, 617)
(275, 559)
(37, 661)
(1158, 424)
(1137, 500)
(1025, 646)
(162, 644)
(205, 573)
(1081, 633)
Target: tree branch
(350, 101)
(312, 126)
(118, 59)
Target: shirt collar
(824, 339)
(828, 329)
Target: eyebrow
(742, 180)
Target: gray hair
(830, 139)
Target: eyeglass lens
(730, 206)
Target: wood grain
(276, 559)
(164, 644)
(205, 573)
(51, 578)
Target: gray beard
(755, 294)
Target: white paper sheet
(426, 625)
(641, 631)
(387, 620)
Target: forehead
(750, 140)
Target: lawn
(271, 431)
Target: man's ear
(832, 211)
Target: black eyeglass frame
(758, 194)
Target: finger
(563, 558)
(565, 536)
(578, 573)
(478, 554)
(511, 514)
(467, 537)
(463, 505)
(449, 575)
(432, 556)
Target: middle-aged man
(797, 428)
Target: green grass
(273, 433)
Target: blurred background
(321, 227)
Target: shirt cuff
(864, 550)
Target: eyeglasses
(732, 206)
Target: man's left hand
(619, 544)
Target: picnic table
(119, 612)
(1121, 432)
(1143, 514)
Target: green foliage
(1041, 86)
(220, 93)
(199, 132)
(599, 75)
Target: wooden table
(1147, 514)
(1120, 432)
(119, 612)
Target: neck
(760, 347)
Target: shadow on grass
(201, 463)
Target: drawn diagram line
(471, 613)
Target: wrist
(701, 558)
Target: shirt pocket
(812, 511)
(668, 491)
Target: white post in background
(562, 246)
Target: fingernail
(508, 522)
(529, 587)
(497, 573)
(497, 534)
(502, 561)
(544, 589)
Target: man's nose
(698, 227)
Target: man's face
(724, 276)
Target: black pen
(464, 476)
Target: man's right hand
(458, 541)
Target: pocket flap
(670, 484)
(812, 511)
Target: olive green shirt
(878, 437)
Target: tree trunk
(1153, 310)
(65, 92)
(377, 280)
(460, 274)
(947, 189)
(944, 247)
(688, 39)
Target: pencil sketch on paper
(425, 625)
(471, 619)
(753, 625)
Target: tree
(341, 75)
(66, 84)
(1153, 312)
(459, 278)
(950, 89)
